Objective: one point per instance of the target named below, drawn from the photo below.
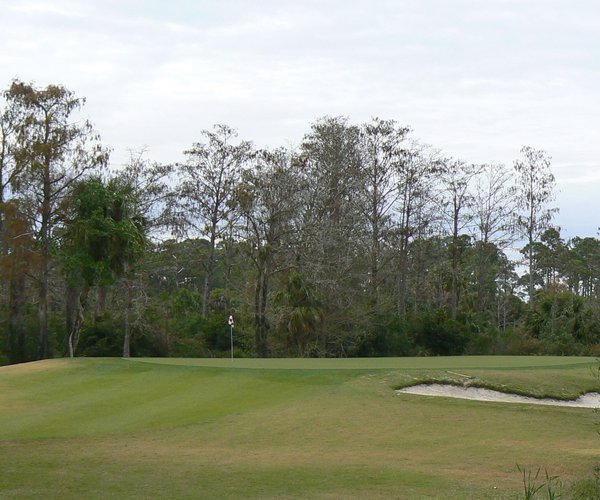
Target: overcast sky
(476, 79)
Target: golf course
(293, 428)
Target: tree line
(361, 241)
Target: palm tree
(305, 314)
(104, 237)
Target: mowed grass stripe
(115, 396)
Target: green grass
(310, 428)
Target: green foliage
(302, 314)
(102, 338)
(102, 233)
(439, 335)
(89, 230)
(391, 338)
(530, 482)
(216, 332)
(562, 321)
(483, 339)
(191, 335)
(532, 485)
(588, 488)
(28, 347)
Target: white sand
(589, 400)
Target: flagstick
(230, 322)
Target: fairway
(287, 428)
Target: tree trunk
(530, 235)
(402, 276)
(209, 271)
(403, 264)
(128, 310)
(261, 321)
(43, 309)
(454, 271)
(260, 324)
(531, 288)
(44, 258)
(16, 309)
(482, 276)
(71, 298)
(375, 246)
(100, 306)
(78, 322)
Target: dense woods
(360, 242)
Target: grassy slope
(283, 428)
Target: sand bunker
(589, 400)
